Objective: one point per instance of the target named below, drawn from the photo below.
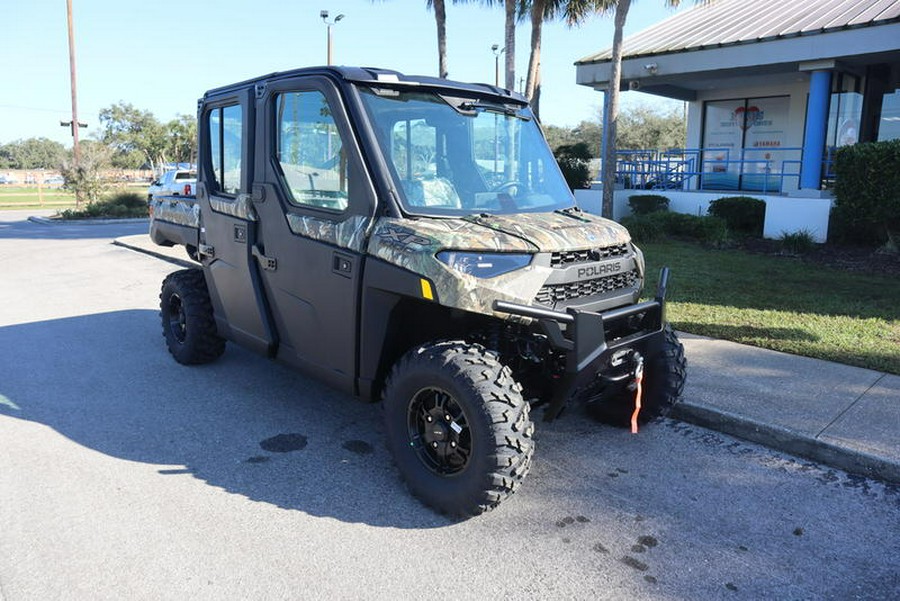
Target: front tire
(664, 375)
(187, 318)
(458, 427)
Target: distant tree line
(640, 128)
(128, 138)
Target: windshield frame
(447, 110)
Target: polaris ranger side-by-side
(411, 240)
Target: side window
(225, 143)
(310, 151)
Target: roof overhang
(682, 75)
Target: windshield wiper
(476, 105)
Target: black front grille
(558, 293)
(588, 255)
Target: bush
(710, 230)
(797, 243)
(642, 204)
(742, 214)
(573, 162)
(644, 228)
(867, 193)
(119, 205)
(654, 226)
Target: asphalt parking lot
(126, 475)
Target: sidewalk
(842, 416)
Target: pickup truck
(411, 241)
(177, 182)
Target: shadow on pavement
(244, 424)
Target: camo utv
(411, 240)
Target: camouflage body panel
(413, 244)
(175, 209)
(558, 231)
(241, 207)
(349, 233)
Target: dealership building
(772, 89)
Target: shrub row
(122, 204)
(651, 219)
(660, 224)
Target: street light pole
(324, 15)
(497, 50)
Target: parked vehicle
(177, 182)
(412, 240)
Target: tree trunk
(510, 45)
(611, 110)
(534, 61)
(440, 17)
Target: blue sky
(162, 55)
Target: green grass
(18, 197)
(781, 303)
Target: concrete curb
(158, 254)
(48, 221)
(788, 440)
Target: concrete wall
(784, 214)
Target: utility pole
(74, 124)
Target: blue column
(816, 124)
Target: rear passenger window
(225, 131)
(310, 152)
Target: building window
(889, 124)
(745, 145)
(845, 111)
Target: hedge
(867, 193)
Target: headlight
(483, 265)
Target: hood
(558, 231)
(524, 232)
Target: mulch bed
(849, 258)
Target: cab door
(228, 225)
(314, 200)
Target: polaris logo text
(598, 270)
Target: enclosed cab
(411, 240)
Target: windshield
(461, 156)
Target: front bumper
(598, 345)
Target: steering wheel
(507, 186)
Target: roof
(733, 22)
(373, 76)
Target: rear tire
(187, 318)
(663, 383)
(458, 427)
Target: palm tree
(611, 107)
(539, 11)
(577, 10)
(509, 7)
(440, 17)
(511, 10)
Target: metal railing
(750, 169)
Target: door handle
(267, 263)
